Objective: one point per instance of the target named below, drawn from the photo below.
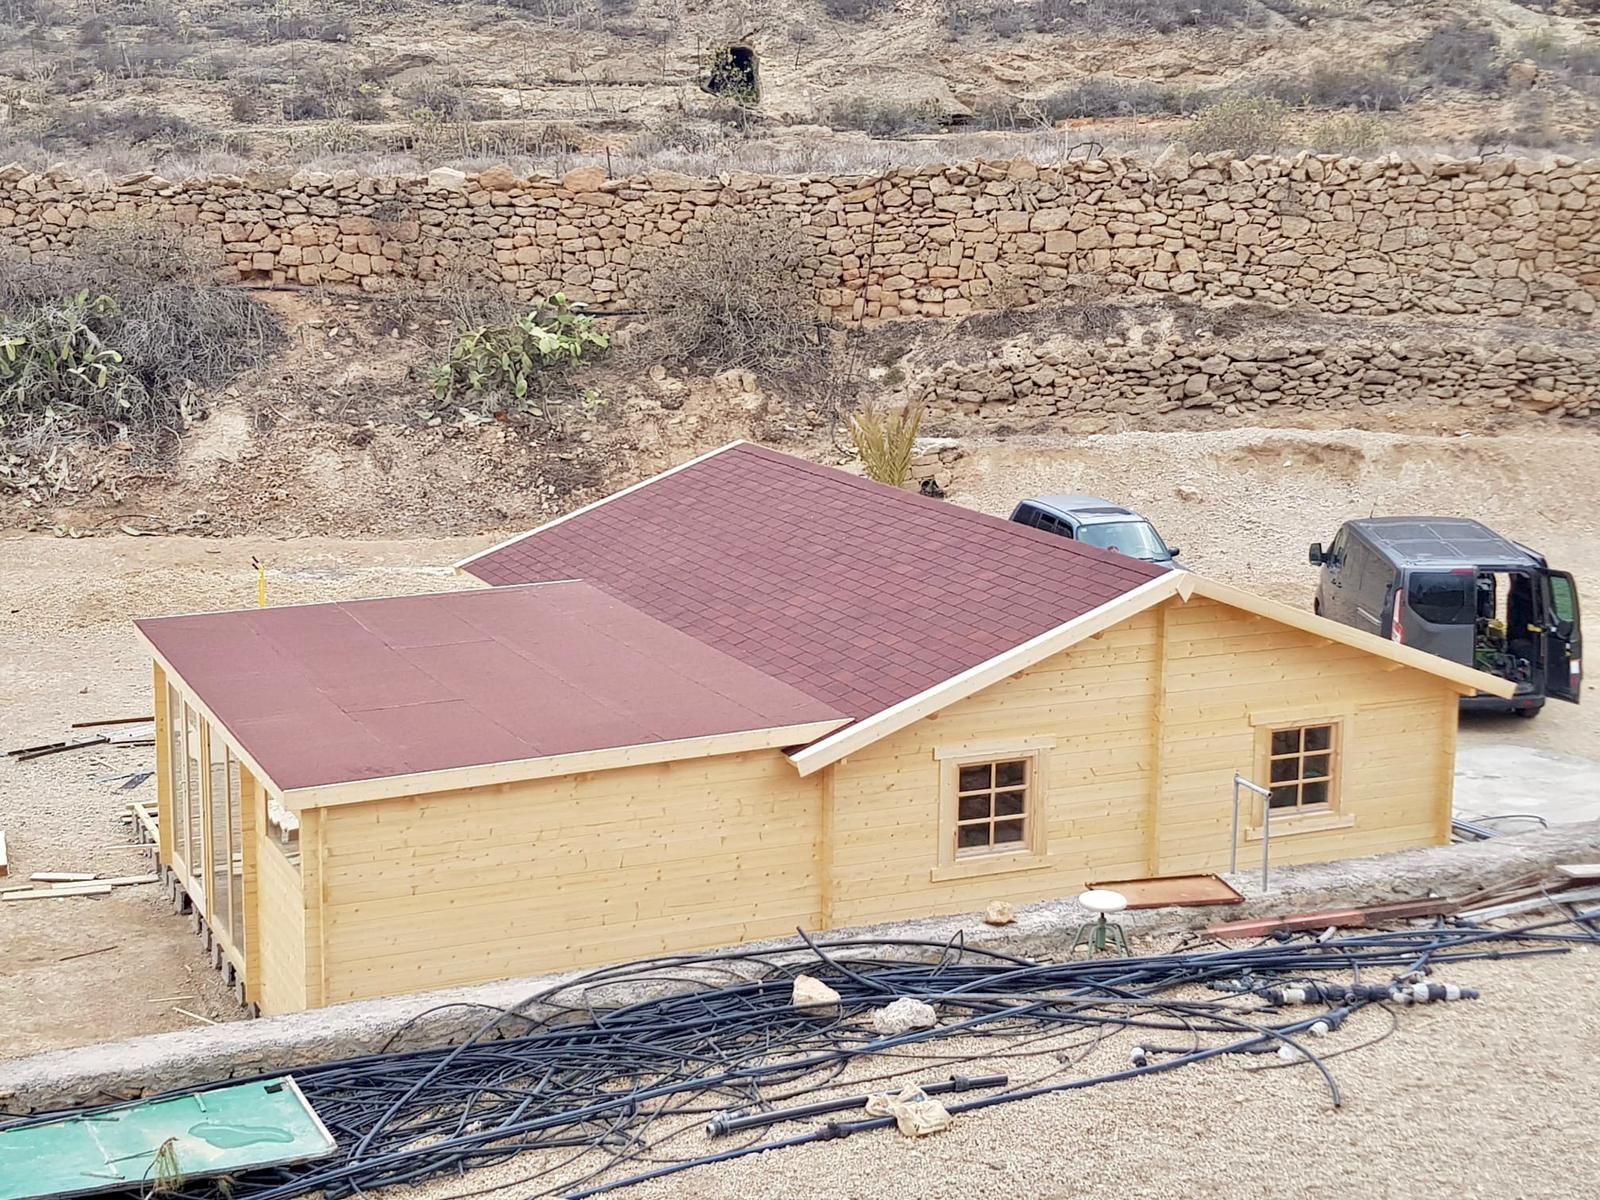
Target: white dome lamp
(1097, 934)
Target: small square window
(1302, 765)
(992, 806)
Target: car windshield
(1136, 539)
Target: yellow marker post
(261, 582)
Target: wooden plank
(112, 721)
(72, 889)
(61, 876)
(1513, 908)
(1583, 871)
(5, 865)
(1342, 918)
(130, 880)
(1158, 740)
(825, 847)
(313, 898)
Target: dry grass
(885, 439)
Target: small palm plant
(885, 439)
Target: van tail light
(1397, 628)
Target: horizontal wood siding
(1396, 757)
(1096, 700)
(278, 949)
(518, 879)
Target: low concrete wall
(164, 1062)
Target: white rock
(903, 1015)
(813, 995)
(447, 179)
(999, 912)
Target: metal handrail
(1239, 781)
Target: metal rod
(1239, 781)
(1266, 839)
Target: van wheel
(1316, 607)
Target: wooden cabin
(747, 695)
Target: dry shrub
(1350, 133)
(730, 294)
(150, 296)
(1370, 88)
(1246, 124)
(879, 117)
(854, 10)
(1462, 55)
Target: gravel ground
(1459, 1099)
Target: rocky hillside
(811, 86)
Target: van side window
(1026, 514)
(1341, 543)
(1562, 598)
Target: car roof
(1087, 510)
(1443, 542)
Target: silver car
(1097, 522)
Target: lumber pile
(1569, 886)
(56, 884)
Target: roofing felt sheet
(858, 594)
(332, 693)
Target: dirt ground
(1242, 505)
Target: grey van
(1457, 589)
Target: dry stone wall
(1024, 381)
(1503, 237)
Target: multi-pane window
(1301, 766)
(992, 809)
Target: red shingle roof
(857, 594)
(332, 693)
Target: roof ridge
(593, 504)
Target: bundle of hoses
(559, 1073)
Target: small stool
(1097, 934)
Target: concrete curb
(114, 1071)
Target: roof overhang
(174, 676)
(1179, 585)
(391, 787)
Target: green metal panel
(219, 1132)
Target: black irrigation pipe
(592, 1079)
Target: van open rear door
(1564, 659)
